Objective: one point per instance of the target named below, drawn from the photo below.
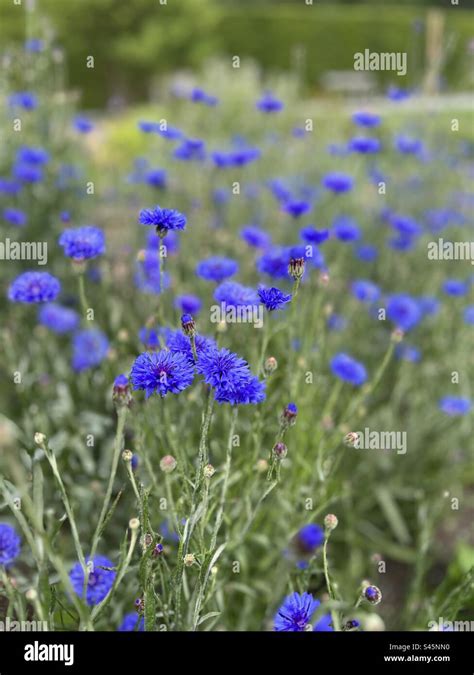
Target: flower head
(234, 294)
(130, 622)
(254, 236)
(163, 219)
(99, 581)
(90, 348)
(10, 544)
(455, 405)
(162, 372)
(57, 318)
(273, 298)
(348, 369)
(268, 103)
(338, 182)
(83, 243)
(14, 216)
(310, 537)
(365, 291)
(217, 268)
(404, 311)
(366, 119)
(296, 613)
(32, 287)
(189, 304)
(230, 376)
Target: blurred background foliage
(135, 41)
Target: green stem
(121, 417)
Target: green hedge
(134, 41)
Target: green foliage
(135, 42)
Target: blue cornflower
(147, 127)
(150, 337)
(366, 119)
(455, 287)
(9, 187)
(364, 145)
(310, 537)
(428, 305)
(348, 369)
(23, 99)
(468, 315)
(82, 124)
(239, 157)
(338, 182)
(274, 262)
(198, 95)
(279, 190)
(217, 268)
(406, 225)
(163, 219)
(176, 341)
(397, 93)
(99, 581)
(296, 613)
(365, 291)
(255, 236)
(269, 103)
(407, 145)
(83, 243)
(404, 311)
(366, 252)
(234, 294)
(191, 149)
(230, 376)
(336, 322)
(10, 544)
(162, 372)
(34, 45)
(34, 287)
(57, 318)
(90, 348)
(156, 178)
(29, 155)
(455, 405)
(346, 229)
(28, 173)
(313, 236)
(273, 298)
(170, 133)
(296, 208)
(15, 217)
(189, 304)
(130, 621)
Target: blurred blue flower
(90, 348)
(365, 290)
(83, 243)
(233, 294)
(310, 537)
(268, 103)
(23, 99)
(338, 182)
(15, 217)
(82, 124)
(217, 268)
(29, 155)
(455, 287)
(255, 236)
(346, 229)
(130, 622)
(313, 236)
(189, 304)
(10, 544)
(404, 311)
(455, 405)
(364, 145)
(468, 315)
(33, 287)
(57, 318)
(348, 369)
(366, 119)
(99, 581)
